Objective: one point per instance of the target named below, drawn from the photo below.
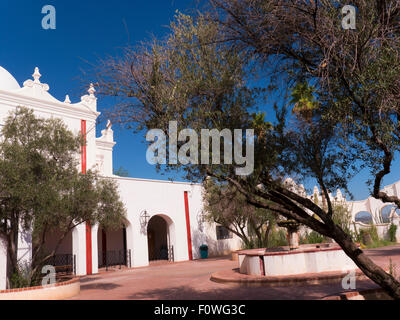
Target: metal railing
(63, 263)
(164, 253)
(115, 258)
(171, 257)
(129, 259)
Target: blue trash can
(204, 251)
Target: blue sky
(88, 30)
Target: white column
(129, 245)
(3, 263)
(137, 242)
(374, 208)
(95, 254)
(79, 248)
(396, 221)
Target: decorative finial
(91, 90)
(36, 75)
(339, 195)
(109, 124)
(67, 100)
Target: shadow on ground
(245, 293)
(99, 286)
(380, 252)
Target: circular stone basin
(281, 261)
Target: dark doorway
(157, 236)
(112, 247)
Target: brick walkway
(190, 280)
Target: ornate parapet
(104, 146)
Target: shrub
(369, 238)
(249, 245)
(373, 231)
(392, 232)
(277, 238)
(342, 216)
(312, 237)
(21, 277)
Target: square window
(223, 233)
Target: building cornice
(78, 110)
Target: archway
(363, 217)
(63, 259)
(386, 210)
(160, 238)
(112, 247)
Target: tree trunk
(12, 254)
(370, 269)
(266, 235)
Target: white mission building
(164, 219)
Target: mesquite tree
(229, 208)
(213, 70)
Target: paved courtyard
(190, 280)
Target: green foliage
(373, 231)
(42, 189)
(380, 243)
(302, 96)
(312, 237)
(250, 244)
(277, 238)
(342, 216)
(190, 77)
(392, 232)
(21, 277)
(229, 208)
(369, 238)
(204, 76)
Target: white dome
(7, 81)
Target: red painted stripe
(88, 248)
(189, 237)
(83, 147)
(88, 224)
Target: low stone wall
(59, 291)
(370, 294)
(307, 259)
(234, 277)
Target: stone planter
(58, 291)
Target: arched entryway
(160, 238)
(61, 244)
(386, 211)
(364, 217)
(112, 247)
